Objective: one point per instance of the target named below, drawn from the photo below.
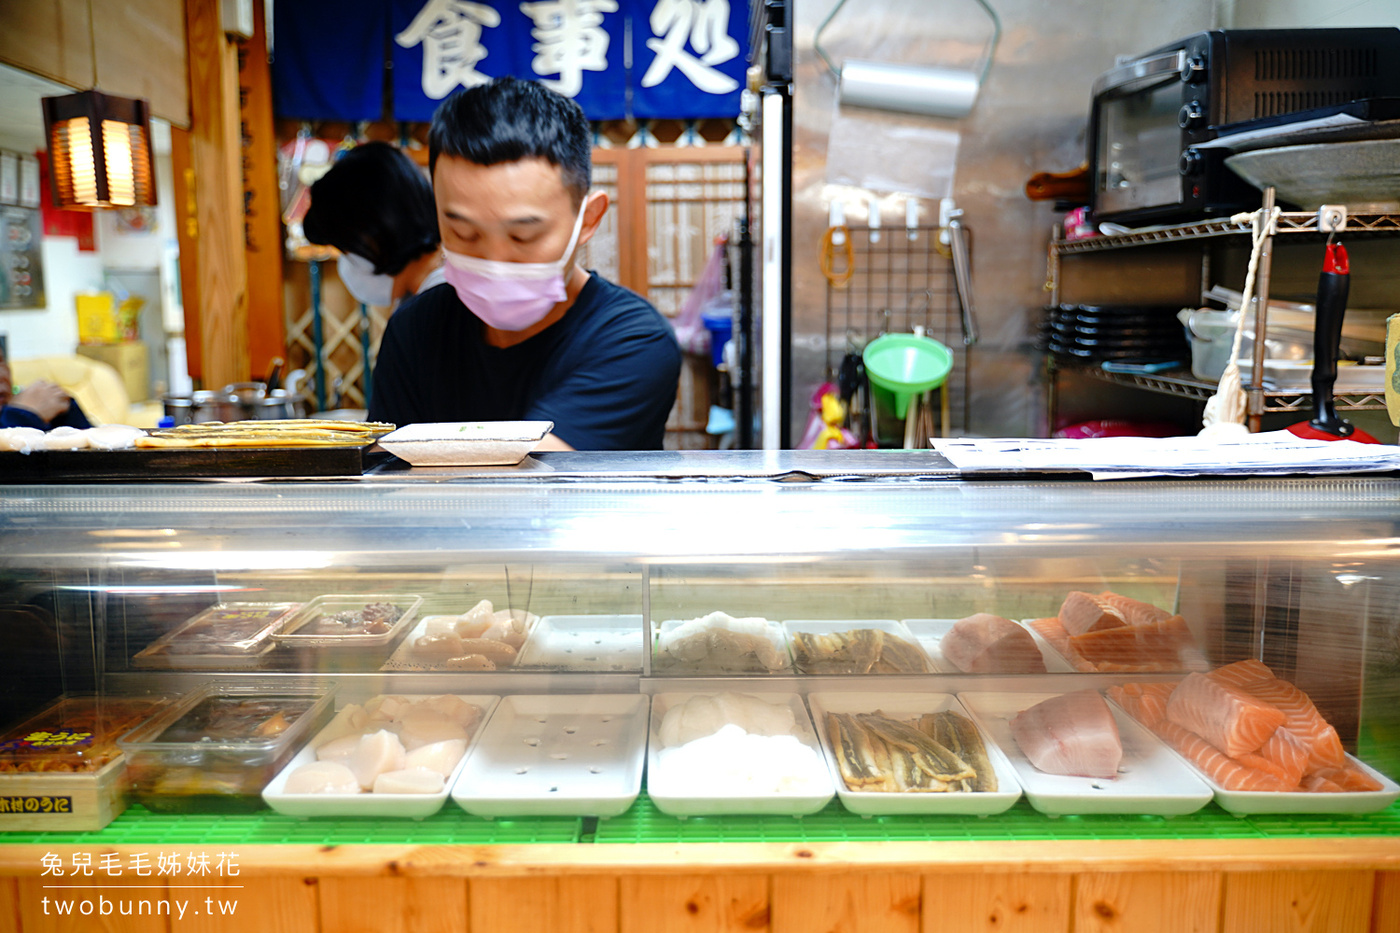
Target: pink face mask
(510, 295)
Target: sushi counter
(873, 700)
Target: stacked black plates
(1121, 333)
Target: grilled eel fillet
(958, 734)
(858, 651)
(876, 753)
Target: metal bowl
(1363, 174)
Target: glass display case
(604, 618)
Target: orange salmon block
(1220, 768)
(1134, 611)
(1052, 631)
(1349, 779)
(1233, 721)
(1157, 646)
(1085, 612)
(1304, 721)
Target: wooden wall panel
(693, 904)
(568, 904)
(261, 204)
(1147, 902)
(139, 51)
(140, 906)
(283, 904)
(996, 903)
(860, 903)
(1298, 902)
(9, 904)
(1385, 910)
(215, 154)
(53, 39)
(393, 905)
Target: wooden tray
(162, 463)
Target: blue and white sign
(616, 58)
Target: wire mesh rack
(900, 278)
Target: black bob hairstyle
(376, 203)
(506, 120)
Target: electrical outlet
(1332, 218)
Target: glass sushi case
(907, 641)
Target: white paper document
(1275, 452)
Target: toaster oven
(1151, 112)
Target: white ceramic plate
(1245, 802)
(561, 755)
(671, 797)
(909, 707)
(827, 627)
(466, 443)
(411, 806)
(1152, 779)
(584, 643)
(930, 632)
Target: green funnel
(906, 365)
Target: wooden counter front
(1338, 885)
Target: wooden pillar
(220, 297)
(262, 206)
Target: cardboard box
(130, 360)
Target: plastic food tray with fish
(1151, 778)
(563, 755)
(868, 646)
(217, 748)
(929, 634)
(411, 656)
(364, 624)
(1247, 802)
(910, 708)
(721, 644)
(222, 637)
(725, 790)
(61, 768)
(371, 804)
(1188, 657)
(584, 643)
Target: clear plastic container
(218, 747)
(222, 636)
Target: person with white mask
(376, 206)
(524, 332)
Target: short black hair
(506, 120)
(376, 203)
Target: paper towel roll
(938, 92)
(1392, 367)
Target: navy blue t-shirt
(12, 416)
(605, 374)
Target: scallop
(409, 781)
(338, 749)
(22, 439)
(322, 777)
(421, 726)
(65, 438)
(351, 720)
(113, 436)
(440, 757)
(375, 754)
(455, 708)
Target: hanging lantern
(99, 151)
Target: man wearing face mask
(376, 207)
(524, 333)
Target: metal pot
(279, 404)
(202, 407)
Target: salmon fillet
(1052, 631)
(1230, 719)
(1219, 767)
(1071, 734)
(988, 644)
(1284, 755)
(1147, 703)
(1085, 612)
(1303, 719)
(1134, 611)
(1156, 645)
(1348, 779)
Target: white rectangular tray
(560, 755)
(1152, 779)
(669, 798)
(466, 443)
(403, 659)
(585, 643)
(829, 627)
(910, 706)
(664, 663)
(930, 632)
(411, 806)
(1246, 802)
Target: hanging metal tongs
(954, 235)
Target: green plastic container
(905, 365)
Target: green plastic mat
(450, 826)
(644, 823)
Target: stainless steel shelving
(1181, 383)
